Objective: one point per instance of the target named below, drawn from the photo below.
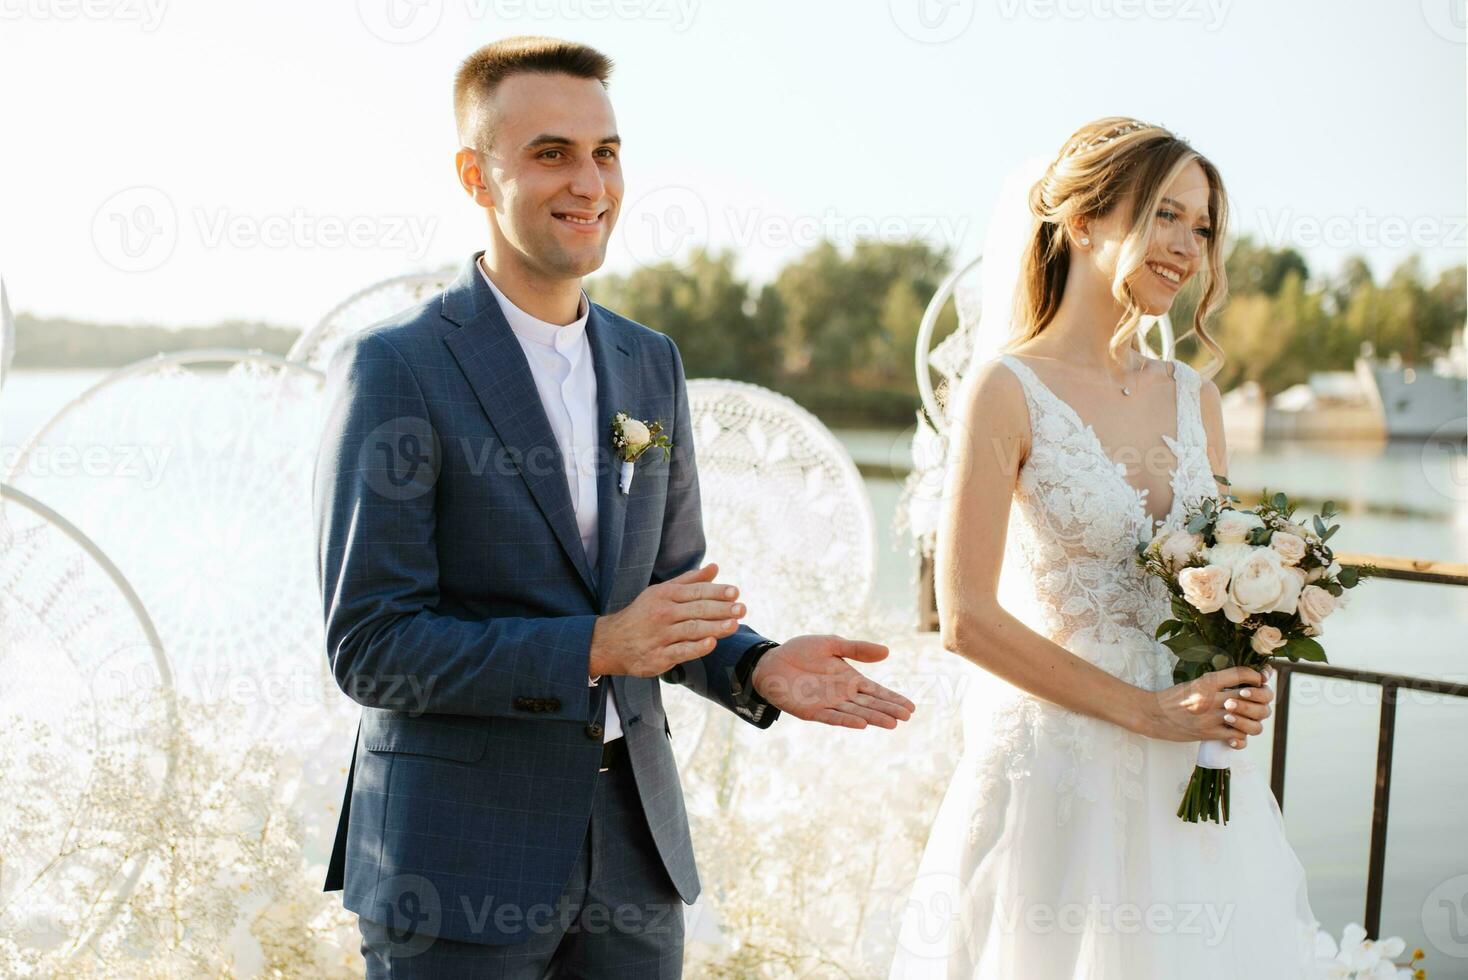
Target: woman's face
(1179, 241)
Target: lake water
(1397, 500)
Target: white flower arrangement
(1358, 957)
(1247, 586)
(630, 439)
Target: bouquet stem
(1207, 795)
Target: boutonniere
(631, 438)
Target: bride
(1057, 852)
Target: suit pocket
(461, 741)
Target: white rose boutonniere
(630, 439)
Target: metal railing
(1402, 569)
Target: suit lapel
(495, 365)
(614, 362)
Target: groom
(503, 605)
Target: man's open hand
(809, 678)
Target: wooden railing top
(1410, 569)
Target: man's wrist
(742, 683)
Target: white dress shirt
(560, 362)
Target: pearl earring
(1085, 241)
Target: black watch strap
(743, 691)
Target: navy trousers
(619, 916)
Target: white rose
(1204, 588)
(635, 433)
(1234, 525)
(1266, 640)
(1294, 579)
(1228, 555)
(1258, 584)
(1319, 572)
(1176, 548)
(1291, 547)
(1315, 604)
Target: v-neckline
(1173, 444)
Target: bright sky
(184, 162)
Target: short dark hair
(481, 73)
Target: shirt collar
(539, 331)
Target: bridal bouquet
(1247, 586)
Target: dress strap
(1189, 383)
(1036, 392)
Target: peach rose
(1291, 547)
(1233, 526)
(1315, 604)
(1266, 640)
(1206, 588)
(1176, 548)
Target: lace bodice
(1075, 525)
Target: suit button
(593, 731)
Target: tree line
(835, 329)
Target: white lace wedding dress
(1057, 853)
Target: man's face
(553, 172)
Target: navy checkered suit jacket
(459, 609)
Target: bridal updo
(1098, 167)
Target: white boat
(1416, 402)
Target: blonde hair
(1097, 168)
